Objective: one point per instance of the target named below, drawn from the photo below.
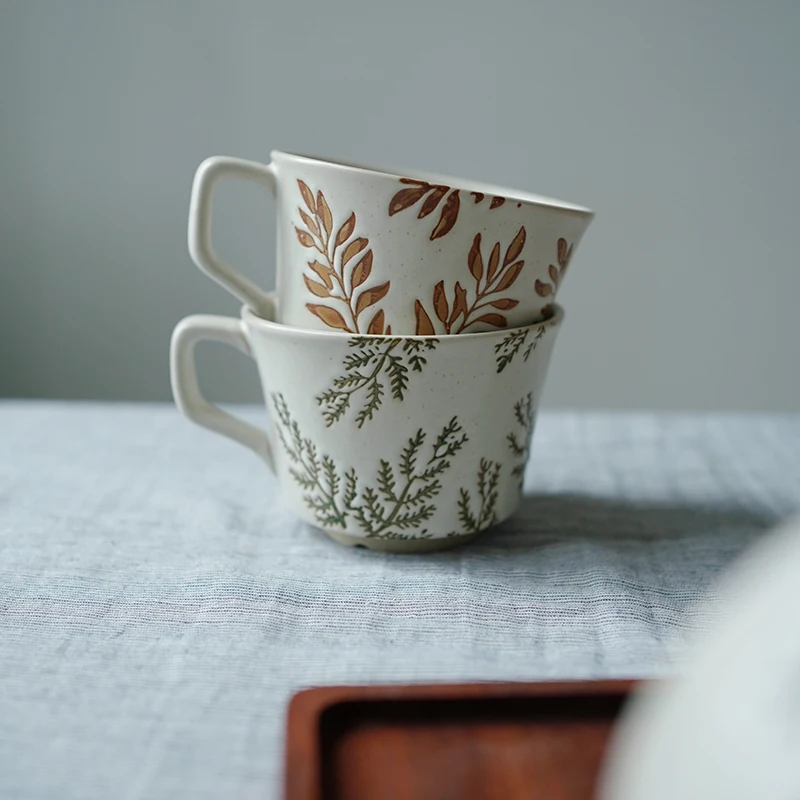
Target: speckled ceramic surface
(367, 251)
(395, 442)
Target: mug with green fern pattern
(396, 443)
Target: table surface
(159, 605)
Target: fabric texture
(159, 605)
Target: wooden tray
(451, 742)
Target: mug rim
(251, 318)
(529, 198)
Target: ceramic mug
(398, 443)
(366, 251)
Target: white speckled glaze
(398, 443)
(369, 251)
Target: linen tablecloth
(159, 605)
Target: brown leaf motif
(494, 280)
(509, 276)
(556, 273)
(433, 200)
(308, 196)
(424, 324)
(304, 237)
(346, 231)
(449, 216)
(504, 303)
(460, 304)
(324, 213)
(339, 269)
(494, 262)
(310, 223)
(362, 270)
(369, 297)
(474, 258)
(498, 320)
(326, 273)
(330, 316)
(353, 249)
(376, 326)
(434, 193)
(318, 289)
(515, 248)
(440, 302)
(406, 198)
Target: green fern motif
(402, 499)
(525, 413)
(399, 502)
(316, 474)
(485, 515)
(367, 371)
(509, 346)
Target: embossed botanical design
(486, 496)
(343, 268)
(373, 363)
(399, 502)
(510, 345)
(316, 474)
(434, 193)
(544, 289)
(525, 413)
(492, 278)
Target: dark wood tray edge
(303, 760)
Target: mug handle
(200, 212)
(186, 391)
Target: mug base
(403, 545)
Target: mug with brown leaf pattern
(366, 251)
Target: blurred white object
(729, 728)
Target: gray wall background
(678, 122)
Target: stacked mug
(403, 351)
